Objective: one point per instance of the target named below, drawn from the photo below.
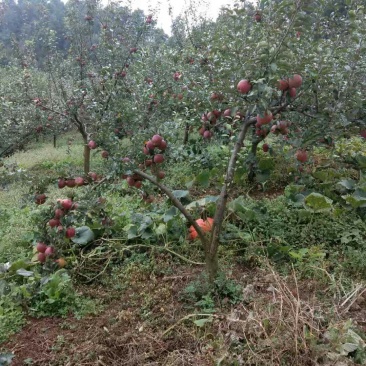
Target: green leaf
(347, 183)
(23, 272)
(20, 264)
(203, 179)
(202, 202)
(83, 235)
(203, 321)
(5, 358)
(180, 194)
(170, 214)
(316, 202)
(131, 231)
(161, 229)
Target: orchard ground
(283, 298)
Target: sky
(160, 9)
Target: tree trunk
(86, 156)
(251, 174)
(186, 134)
(212, 266)
(211, 253)
(54, 141)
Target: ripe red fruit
(244, 86)
(156, 140)
(92, 144)
(58, 213)
(66, 204)
(54, 222)
(267, 118)
(258, 17)
(133, 50)
(61, 183)
(138, 184)
(130, 181)
(177, 76)
(79, 181)
(207, 134)
(49, 251)
(265, 147)
(148, 162)
(41, 257)
(158, 158)
(41, 247)
(163, 145)
(282, 84)
(292, 92)
(150, 145)
(204, 117)
(60, 228)
(70, 232)
(211, 117)
(92, 175)
(40, 199)
(302, 156)
(105, 154)
(295, 81)
(161, 174)
(70, 183)
(227, 112)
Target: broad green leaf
(6, 359)
(20, 264)
(131, 231)
(180, 194)
(170, 214)
(24, 273)
(83, 235)
(161, 229)
(316, 202)
(203, 178)
(347, 183)
(203, 321)
(202, 202)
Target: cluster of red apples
(46, 251)
(63, 206)
(154, 149)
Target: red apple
(282, 84)
(54, 222)
(92, 144)
(158, 158)
(227, 112)
(265, 147)
(49, 251)
(302, 156)
(79, 181)
(295, 81)
(70, 183)
(156, 140)
(41, 247)
(138, 184)
(163, 145)
(244, 86)
(70, 232)
(41, 257)
(61, 183)
(267, 118)
(105, 154)
(40, 199)
(161, 174)
(66, 204)
(130, 181)
(292, 92)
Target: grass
(156, 308)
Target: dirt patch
(147, 324)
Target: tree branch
(177, 204)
